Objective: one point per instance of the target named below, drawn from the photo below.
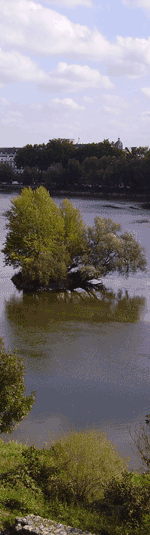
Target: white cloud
(40, 29)
(15, 66)
(4, 102)
(76, 77)
(36, 106)
(31, 26)
(88, 99)
(146, 91)
(41, 121)
(71, 3)
(115, 100)
(145, 116)
(121, 124)
(131, 57)
(111, 109)
(113, 104)
(51, 55)
(12, 117)
(143, 4)
(67, 103)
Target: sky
(75, 69)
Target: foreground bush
(14, 405)
(127, 501)
(60, 481)
(74, 470)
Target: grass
(79, 480)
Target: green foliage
(73, 174)
(27, 156)
(56, 150)
(66, 473)
(47, 242)
(141, 440)
(30, 175)
(36, 234)
(132, 255)
(88, 456)
(51, 483)
(75, 231)
(75, 469)
(14, 406)
(107, 252)
(96, 164)
(59, 150)
(127, 501)
(90, 164)
(7, 173)
(53, 177)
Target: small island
(55, 250)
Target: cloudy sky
(74, 69)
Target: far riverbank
(124, 196)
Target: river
(85, 372)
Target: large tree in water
(55, 249)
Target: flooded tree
(56, 250)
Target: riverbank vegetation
(56, 250)
(79, 480)
(61, 165)
(14, 406)
(96, 167)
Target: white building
(7, 156)
(119, 144)
(72, 141)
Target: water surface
(85, 372)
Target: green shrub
(73, 470)
(59, 481)
(126, 500)
(89, 459)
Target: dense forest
(101, 166)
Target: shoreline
(86, 194)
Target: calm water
(85, 372)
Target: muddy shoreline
(133, 197)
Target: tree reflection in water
(96, 305)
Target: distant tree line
(61, 165)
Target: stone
(36, 525)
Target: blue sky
(74, 69)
